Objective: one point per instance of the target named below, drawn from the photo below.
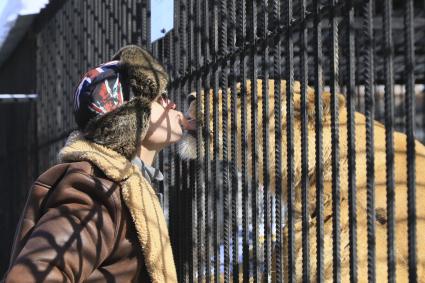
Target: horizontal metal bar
(6, 98)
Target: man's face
(164, 126)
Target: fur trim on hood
(140, 199)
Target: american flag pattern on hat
(100, 90)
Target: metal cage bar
(318, 72)
(410, 132)
(289, 76)
(304, 145)
(336, 193)
(351, 141)
(389, 142)
(368, 76)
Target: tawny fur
(380, 181)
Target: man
(95, 217)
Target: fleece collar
(139, 197)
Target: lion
(187, 149)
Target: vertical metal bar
(195, 227)
(277, 74)
(186, 219)
(148, 14)
(97, 34)
(168, 178)
(185, 222)
(110, 28)
(254, 141)
(90, 45)
(93, 33)
(113, 25)
(216, 187)
(119, 37)
(190, 40)
(389, 142)
(206, 131)
(369, 107)
(102, 28)
(185, 86)
(213, 46)
(145, 22)
(135, 12)
(351, 141)
(203, 206)
(335, 147)
(179, 186)
(123, 23)
(187, 56)
(289, 76)
(205, 41)
(138, 22)
(129, 21)
(304, 145)
(191, 53)
(183, 37)
(263, 33)
(410, 127)
(319, 139)
(241, 36)
(226, 192)
(234, 142)
(222, 52)
(108, 31)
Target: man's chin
(187, 145)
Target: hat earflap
(122, 129)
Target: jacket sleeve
(73, 237)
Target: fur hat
(142, 74)
(112, 102)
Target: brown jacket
(75, 227)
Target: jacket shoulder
(51, 177)
(84, 178)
